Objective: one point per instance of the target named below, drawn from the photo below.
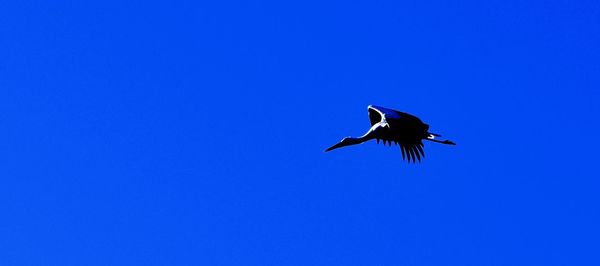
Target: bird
(400, 128)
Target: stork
(403, 129)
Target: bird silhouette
(403, 129)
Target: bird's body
(396, 127)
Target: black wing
(412, 150)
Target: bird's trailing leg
(432, 136)
(447, 142)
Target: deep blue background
(189, 133)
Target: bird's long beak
(337, 145)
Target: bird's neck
(353, 141)
(363, 138)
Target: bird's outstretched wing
(412, 150)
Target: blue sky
(192, 133)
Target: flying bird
(403, 129)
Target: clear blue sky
(192, 133)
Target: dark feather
(408, 154)
(402, 149)
(412, 153)
(420, 148)
(414, 147)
